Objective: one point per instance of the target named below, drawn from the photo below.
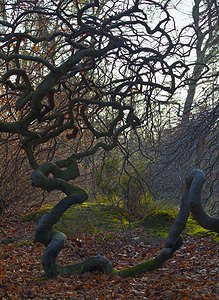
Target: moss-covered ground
(95, 218)
(159, 222)
(85, 218)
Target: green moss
(25, 243)
(165, 204)
(146, 266)
(193, 228)
(216, 237)
(85, 218)
(159, 218)
(159, 222)
(91, 218)
(36, 215)
(43, 278)
(99, 217)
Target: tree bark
(196, 180)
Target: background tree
(206, 24)
(188, 127)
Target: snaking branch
(51, 176)
(55, 240)
(195, 180)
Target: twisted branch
(191, 200)
(196, 180)
(55, 240)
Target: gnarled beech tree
(74, 77)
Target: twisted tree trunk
(54, 241)
(195, 180)
(51, 176)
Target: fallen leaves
(191, 274)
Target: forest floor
(192, 273)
